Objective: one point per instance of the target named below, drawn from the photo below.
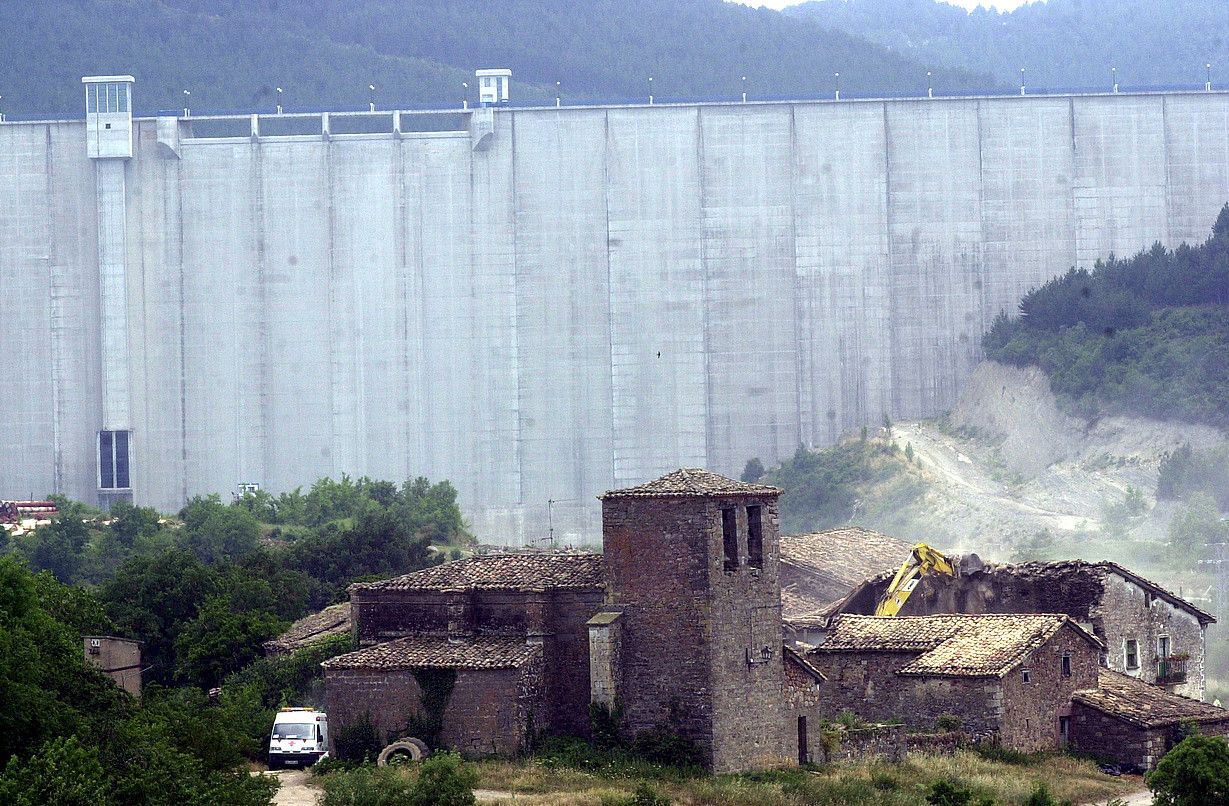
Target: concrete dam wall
(542, 304)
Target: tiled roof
(1145, 705)
(692, 481)
(530, 572)
(985, 645)
(439, 652)
(845, 556)
(332, 620)
(796, 605)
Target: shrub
(1194, 773)
(1040, 796)
(365, 786)
(948, 722)
(646, 795)
(993, 751)
(604, 723)
(661, 745)
(445, 780)
(61, 772)
(358, 741)
(948, 793)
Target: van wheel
(403, 751)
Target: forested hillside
(1061, 43)
(232, 54)
(1146, 335)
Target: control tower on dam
(539, 304)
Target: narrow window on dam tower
(113, 465)
(755, 537)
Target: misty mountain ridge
(1069, 44)
(232, 54)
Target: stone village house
(1007, 677)
(678, 624)
(1149, 632)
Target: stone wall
(693, 632)
(1031, 711)
(804, 714)
(489, 712)
(866, 684)
(555, 618)
(566, 662)
(877, 743)
(936, 744)
(1110, 738)
(1131, 612)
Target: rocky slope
(1007, 464)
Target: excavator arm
(923, 560)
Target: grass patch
(547, 781)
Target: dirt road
(295, 789)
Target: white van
(300, 738)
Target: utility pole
(279, 100)
(838, 85)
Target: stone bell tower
(692, 627)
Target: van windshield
(294, 730)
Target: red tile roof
(332, 620)
(529, 572)
(985, 645)
(439, 652)
(692, 481)
(1145, 705)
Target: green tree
(221, 640)
(1196, 524)
(153, 598)
(59, 547)
(754, 471)
(61, 772)
(1194, 773)
(215, 532)
(46, 687)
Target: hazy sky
(1002, 5)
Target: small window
(729, 538)
(1162, 647)
(1132, 654)
(1066, 665)
(755, 537)
(1028, 676)
(113, 464)
(123, 98)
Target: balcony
(1171, 671)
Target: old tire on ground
(407, 749)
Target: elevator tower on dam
(539, 303)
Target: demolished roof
(846, 556)
(439, 652)
(521, 572)
(1059, 577)
(1145, 705)
(332, 620)
(691, 481)
(985, 645)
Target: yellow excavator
(924, 560)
